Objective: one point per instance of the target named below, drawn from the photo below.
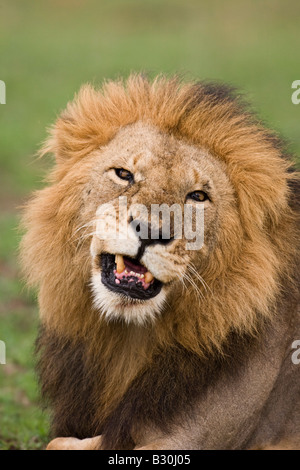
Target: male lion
(145, 343)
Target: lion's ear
(80, 128)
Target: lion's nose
(149, 234)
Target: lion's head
(160, 143)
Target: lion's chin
(114, 304)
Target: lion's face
(139, 256)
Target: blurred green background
(48, 49)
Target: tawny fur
(251, 261)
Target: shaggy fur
(118, 379)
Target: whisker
(183, 284)
(80, 240)
(84, 226)
(88, 224)
(195, 286)
(193, 270)
(196, 289)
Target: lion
(145, 343)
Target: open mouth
(127, 276)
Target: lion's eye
(124, 174)
(198, 196)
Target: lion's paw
(71, 443)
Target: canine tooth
(142, 276)
(120, 263)
(148, 277)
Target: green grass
(48, 49)
(22, 423)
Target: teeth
(148, 277)
(120, 263)
(119, 260)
